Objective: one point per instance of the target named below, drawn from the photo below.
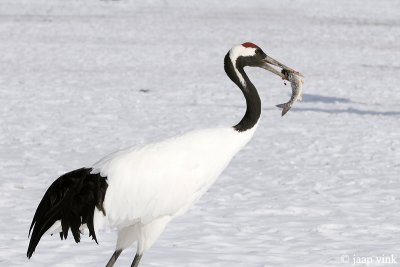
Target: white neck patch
(238, 51)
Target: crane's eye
(259, 52)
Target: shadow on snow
(351, 111)
(324, 99)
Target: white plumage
(149, 186)
(139, 190)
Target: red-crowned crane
(139, 191)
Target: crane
(139, 190)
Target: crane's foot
(114, 258)
(136, 260)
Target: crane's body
(139, 190)
(164, 177)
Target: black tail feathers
(71, 199)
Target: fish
(297, 88)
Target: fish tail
(285, 108)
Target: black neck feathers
(253, 102)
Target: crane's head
(249, 54)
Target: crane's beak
(268, 61)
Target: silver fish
(297, 87)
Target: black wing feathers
(71, 199)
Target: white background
(319, 183)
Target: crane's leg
(126, 236)
(114, 258)
(136, 260)
(147, 235)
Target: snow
(80, 79)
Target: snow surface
(80, 79)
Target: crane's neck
(235, 72)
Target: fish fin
(285, 108)
(281, 105)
